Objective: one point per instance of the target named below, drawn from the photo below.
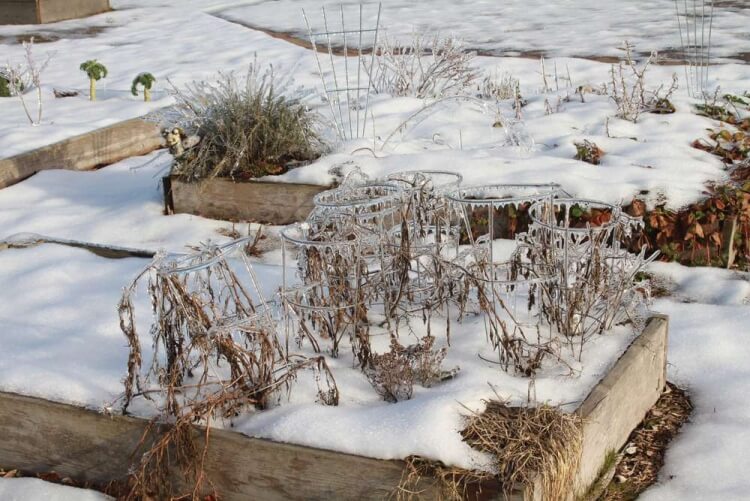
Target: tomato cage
(373, 206)
(488, 213)
(586, 242)
(346, 81)
(328, 298)
(214, 336)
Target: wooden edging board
(255, 201)
(48, 11)
(87, 151)
(42, 436)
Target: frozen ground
(510, 27)
(50, 291)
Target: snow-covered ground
(49, 292)
(33, 489)
(561, 28)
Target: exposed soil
(642, 457)
(53, 35)
(669, 57)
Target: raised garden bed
(48, 11)
(84, 152)
(40, 436)
(257, 201)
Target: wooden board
(42, 436)
(87, 151)
(51, 11)
(256, 201)
(620, 401)
(18, 12)
(48, 11)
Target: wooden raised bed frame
(41, 436)
(87, 151)
(48, 11)
(254, 201)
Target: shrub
(394, 373)
(436, 67)
(627, 88)
(247, 128)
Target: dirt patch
(47, 36)
(638, 466)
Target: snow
(566, 28)
(708, 353)
(29, 489)
(61, 339)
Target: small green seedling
(6, 90)
(146, 80)
(95, 71)
(4, 87)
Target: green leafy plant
(4, 87)
(95, 71)
(146, 80)
(246, 128)
(588, 152)
(738, 100)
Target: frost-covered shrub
(423, 67)
(246, 127)
(627, 88)
(25, 76)
(500, 87)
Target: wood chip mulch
(642, 457)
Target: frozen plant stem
(28, 74)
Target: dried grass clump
(394, 373)
(530, 446)
(529, 443)
(423, 67)
(500, 87)
(247, 127)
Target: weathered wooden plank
(620, 401)
(18, 12)
(264, 202)
(51, 11)
(40, 436)
(87, 151)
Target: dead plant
(628, 89)
(526, 443)
(422, 67)
(394, 373)
(530, 446)
(216, 353)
